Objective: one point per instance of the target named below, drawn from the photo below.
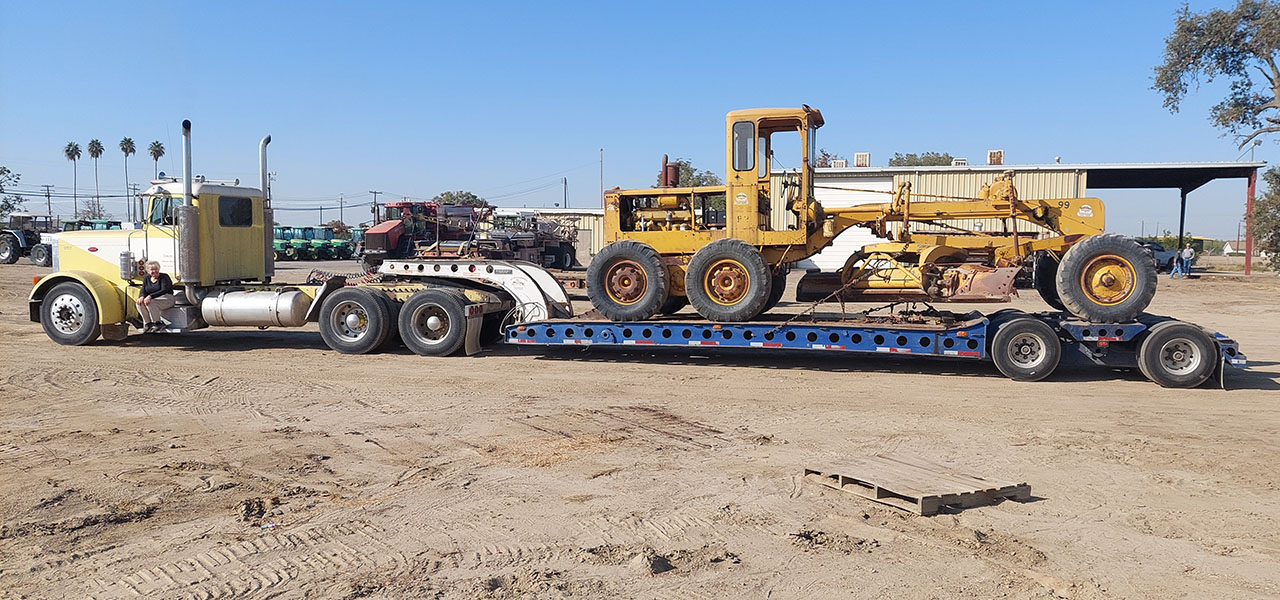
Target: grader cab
(668, 246)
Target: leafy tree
(95, 152)
(460, 198)
(1228, 44)
(127, 147)
(156, 150)
(341, 230)
(924, 159)
(8, 203)
(824, 158)
(72, 152)
(1266, 218)
(690, 176)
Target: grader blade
(975, 283)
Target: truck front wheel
(69, 315)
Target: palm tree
(127, 147)
(156, 150)
(72, 152)
(95, 152)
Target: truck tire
(1044, 277)
(1025, 349)
(354, 320)
(69, 315)
(777, 287)
(728, 281)
(673, 305)
(627, 281)
(9, 249)
(393, 314)
(1177, 355)
(1106, 278)
(433, 323)
(41, 255)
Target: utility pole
(48, 202)
(1144, 228)
(135, 202)
(321, 216)
(564, 182)
(602, 176)
(341, 213)
(375, 206)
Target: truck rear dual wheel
(728, 280)
(69, 315)
(433, 323)
(1177, 355)
(355, 320)
(1106, 278)
(626, 281)
(1025, 349)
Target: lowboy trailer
(1024, 346)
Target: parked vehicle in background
(23, 237)
(1163, 258)
(91, 225)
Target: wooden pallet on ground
(914, 484)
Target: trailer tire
(433, 323)
(1106, 278)
(728, 280)
(627, 281)
(673, 305)
(1177, 355)
(354, 320)
(1044, 276)
(9, 249)
(69, 315)
(41, 256)
(1025, 349)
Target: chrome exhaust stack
(268, 216)
(188, 217)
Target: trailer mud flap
(475, 324)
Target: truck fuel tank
(267, 308)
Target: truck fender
(112, 307)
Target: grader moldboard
(667, 248)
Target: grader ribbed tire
(1044, 276)
(1106, 278)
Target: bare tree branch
(1256, 134)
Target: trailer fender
(112, 308)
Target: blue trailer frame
(965, 336)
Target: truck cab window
(161, 211)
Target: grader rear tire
(673, 305)
(627, 281)
(1106, 278)
(1044, 276)
(728, 281)
(777, 287)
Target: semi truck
(215, 238)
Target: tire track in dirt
(262, 564)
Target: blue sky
(504, 99)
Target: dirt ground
(246, 463)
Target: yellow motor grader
(670, 246)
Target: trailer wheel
(433, 323)
(1106, 278)
(69, 315)
(673, 305)
(777, 287)
(728, 281)
(40, 255)
(1044, 276)
(1177, 355)
(354, 321)
(627, 281)
(1026, 349)
(9, 249)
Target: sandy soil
(245, 463)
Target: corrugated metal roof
(1179, 175)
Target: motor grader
(666, 246)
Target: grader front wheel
(1106, 278)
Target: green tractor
(288, 246)
(320, 247)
